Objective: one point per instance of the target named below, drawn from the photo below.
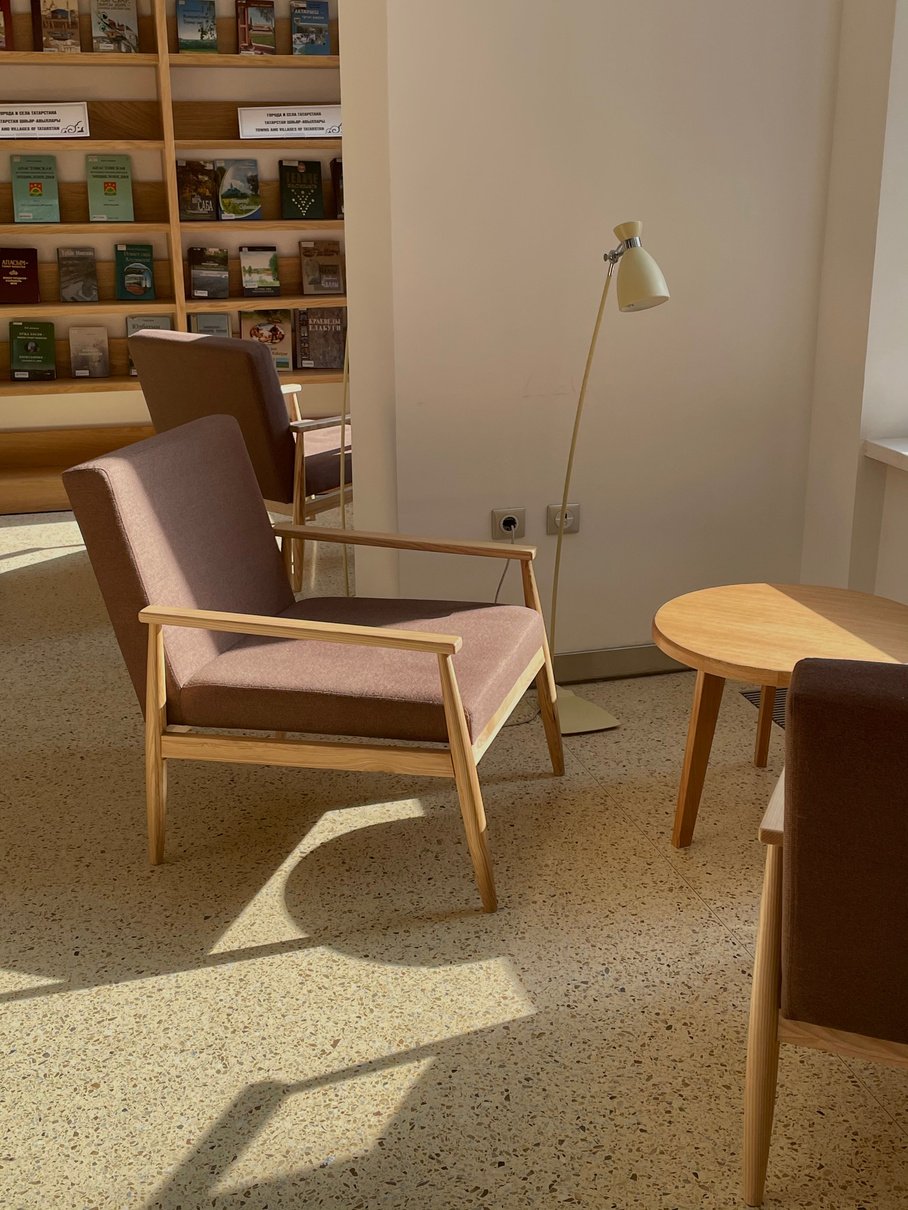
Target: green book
(109, 180)
(36, 198)
(136, 323)
(32, 351)
(301, 189)
(134, 272)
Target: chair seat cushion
(340, 689)
(322, 448)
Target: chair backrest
(185, 376)
(845, 853)
(178, 520)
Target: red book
(6, 26)
(18, 276)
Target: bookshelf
(187, 110)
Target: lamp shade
(640, 280)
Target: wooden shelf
(266, 302)
(43, 146)
(87, 59)
(181, 59)
(135, 228)
(50, 310)
(232, 143)
(262, 224)
(69, 386)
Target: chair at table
(831, 966)
(185, 376)
(185, 556)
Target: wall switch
(509, 523)
(571, 518)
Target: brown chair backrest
(185, 376)
(845, 863)
(178, 520)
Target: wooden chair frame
(458, 759)
(768, 1028)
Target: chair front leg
(466, 779)
(297, 546)
(155, 724)
(545, 681)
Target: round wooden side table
(758, 632)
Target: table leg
(764, 725)
(703, 715)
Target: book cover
(32, 350)
(258, 267)
(322, 266)
(197, 190)
(55, 26)
(6, 26)
(197, 27)
(208, 273)
(19, 276)
(301, 189)
(109, 180)
(255, 27)
(210, 323)
(36, 198)
(271, 328)
(114, 27)
(309, 29)
(135, 323)
(337, 184)
(89, 354)
(239, 196)
(78, 275)
(321, 334)
(134, 272)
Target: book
(134, 272)
(6, 26)
(208, 273)
(274, 329)
(55, 26)
(89, 354)
(19, 276)
(320, 336)
(255, 27)
(114, 26)
(309, 30)
(322, 266)
(197, 190)
(197, 27)
(301, 189)
(337, 184)
(36, 198)
(238, 189)
(258, 268)
(210, 323)
(109, 181)
(32, 350)
(78, 275)
(136, 323)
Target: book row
(207, 189)
(321, 272)
(115, 26)
(301, 340)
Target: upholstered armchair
(187, 562)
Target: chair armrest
(298, 628)
(450, 546)
(773, 825)
(316, 422)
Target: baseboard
(613, 663)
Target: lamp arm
(612, 261)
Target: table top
(758, 632)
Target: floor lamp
(640, 286)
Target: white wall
(519, 133)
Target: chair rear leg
(155, 765)
(545, 681)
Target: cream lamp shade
(640, 281)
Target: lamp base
(577, 715)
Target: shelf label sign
(66, 120)
(291, 122)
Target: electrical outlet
(571, 518)
(509, 523)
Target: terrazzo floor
(305, 1007)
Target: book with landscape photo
(259, 271)
(321, 333)
(78, 275)
(55, 26)
(197, 190)
(239, 195)
(197, 27)
(134, 272)
(309, 27)
(109, 182)
(210, 323)
(208, 273)
(273, 329)
(19, 276)
(114, 27)
(32, 351)
(255, 27)
(322, 266)
(6, 25)
(89, 353)
(36, 197)
(137, 323)
(301, 189)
